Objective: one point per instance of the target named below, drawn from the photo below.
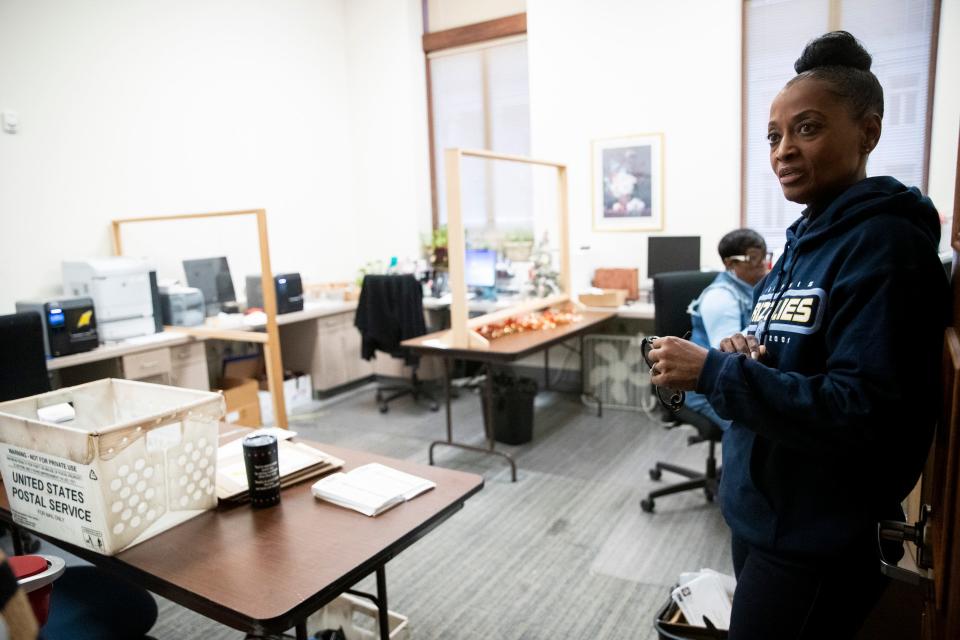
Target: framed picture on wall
(628, 183)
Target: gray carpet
(565, 552)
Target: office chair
(23, 364)
(672, 294)
(390, 310)
(23, 372)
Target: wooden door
(942, 480)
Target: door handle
(919, 535)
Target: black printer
(69, 324)
(289, 290)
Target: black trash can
(512, 408)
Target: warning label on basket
(93, 539)
(49, 494)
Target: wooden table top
(512, 347)
(266, 570)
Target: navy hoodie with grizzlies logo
(831, 429)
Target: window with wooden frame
(901, 37)
(478, 94)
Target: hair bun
(834, 49)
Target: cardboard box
(628, 279)
(134, 460)
(297, 387)
(608, 298)
(243, 407)
(244, 367)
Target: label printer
(69, 324)
(289, 290)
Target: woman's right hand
(747, 345)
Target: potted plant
(437, 250)
(517, 245)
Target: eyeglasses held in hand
(671, 399)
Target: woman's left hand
(677, 363)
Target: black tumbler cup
(263, 470)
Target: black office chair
(23, 362)
(23, 372)
(672, 294)
(390, 310)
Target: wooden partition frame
(271, 339)
(462, 333)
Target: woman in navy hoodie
(833, 389)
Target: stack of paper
(705, 598)
(297, 462)
(370, 489)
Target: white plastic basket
(136, 459)
(348, 612)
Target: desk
(501, 351)
(636, 310)
(118, 350)
(265, 571)
(319, 340)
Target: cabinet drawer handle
(149, 365)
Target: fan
(615, 371)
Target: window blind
(897, 33)
(481, 100)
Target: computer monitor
(672, 253)
(212, 277)
(481, 268)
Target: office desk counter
(177, 355)
(311, 311)
(119, 349)
(501, 351)
(265, 571)
(176, 336)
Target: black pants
(88, 604)
(788, 597)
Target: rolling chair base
(709, 481)
(414, 388)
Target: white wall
(137, 108)
(448, 14)
(612, 68)
(390, 192)
(946, 116)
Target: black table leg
(488, 405)
(382, 603)
(487, 399)
(546, 369)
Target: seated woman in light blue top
(724, 307)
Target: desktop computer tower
(289, 290)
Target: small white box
(297, 392)
(346, 611)
(136, 459)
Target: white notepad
(370, 489)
